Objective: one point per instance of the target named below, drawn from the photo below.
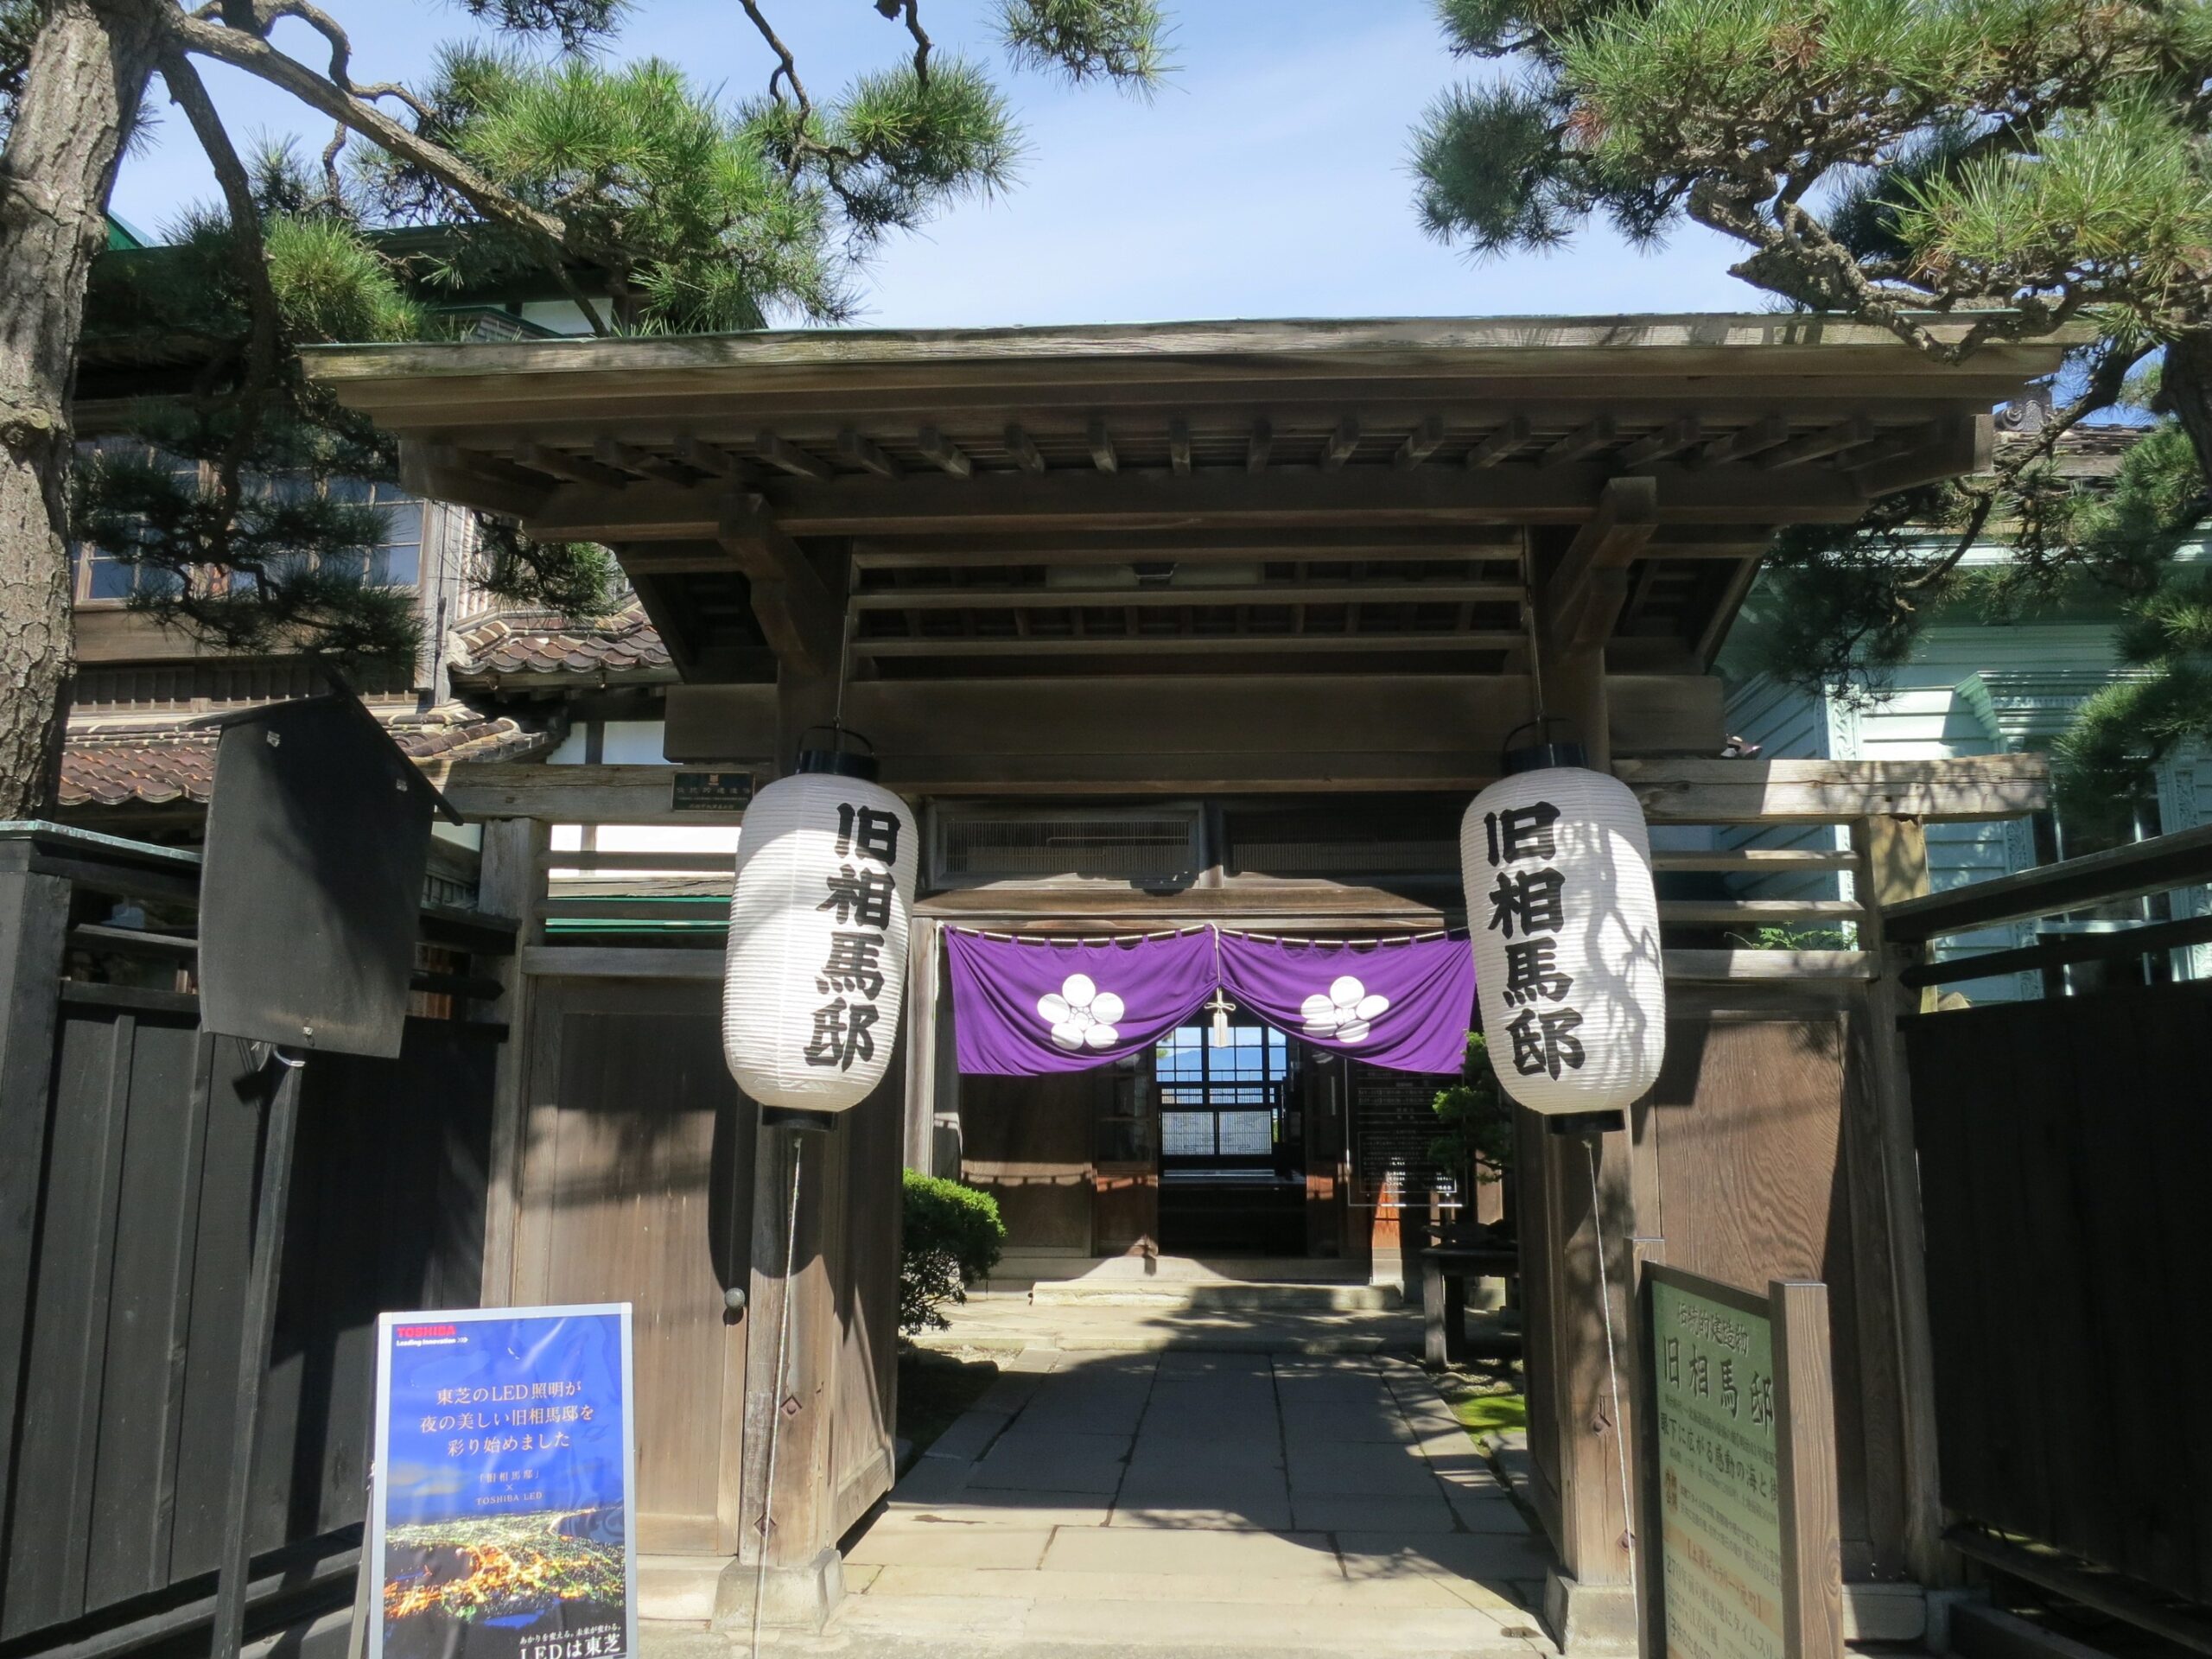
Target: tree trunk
(88, 69)
(2185, 387)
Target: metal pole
(255, 1330)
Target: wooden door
(636, 1186)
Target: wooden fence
(2063, 1146)
(126, 1198)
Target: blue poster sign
(499, 1526)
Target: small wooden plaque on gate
(1740, 1556)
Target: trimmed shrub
(952, 1235)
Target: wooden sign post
(1741, 1557)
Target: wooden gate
(2063, 1146)
(636, 1186)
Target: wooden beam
(1714, 632)
(943, 453)
(1163, 733)
(440, 471)
(1750, 860)
(1258, 446)
(786, 456)
(802, 623)
(1023, 449)
(629, 458)
(1678, 434)
(1964, 788)
(1102, 447)
(577, 469)
(1187, 644)
(1581, 443)
(707, 457)
(1068, 500)
(2181, 858)
(857, 451)
(1421, 443)
(1228, 546)
(1960, 447)
(1816, 446)
(1499, 444)
(1766, 433)
(1178, 444)
(1336, 447)
(1195, 593)
(1583, 598)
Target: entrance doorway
(1232, 1158)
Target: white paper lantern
(1557, 861)
(817, 938)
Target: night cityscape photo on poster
(499, 1526)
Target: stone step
(1270, 1296)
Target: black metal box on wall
(317, 836)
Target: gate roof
(1316, 497)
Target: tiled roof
(158, 763)
(624, 646)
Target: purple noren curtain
(1020, 1008)
(1025, 1007)
(1406, 1004)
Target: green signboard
(1718, 1502)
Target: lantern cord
(1528, 616)
(844, 662)
(776, 1408)
(1613, 1376)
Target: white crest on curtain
(1345, 1013)
(1080, 1014)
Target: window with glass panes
(1220, 1106)
(97, 575)
(396, 561)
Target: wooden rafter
(1499, 444)
(1421, 442)
(1229, 546)
(1023, 448)
(1336, 447)
(1768, 432)
(1948, 448)
(1178, 444)
(859, 452)
(1581, 443)
(577, 469)
(1678, 434)
(942, 453)
(1258, 446)
(627, 457)
(442, 471)
(1102, 447)
(1817, 446)
(707, 457)
(786, 456)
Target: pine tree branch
(786, 68)
(257, 58)
(913, 11)
(250, 256)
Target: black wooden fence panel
(127, 1367)
(2064, 1148)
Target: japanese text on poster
(1718, 1496)
(500, 1521)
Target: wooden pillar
(511, 882)
(1588, 1188)
(1893, 866)
(787, 1557)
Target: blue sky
(1266, 178)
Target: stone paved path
(1215, 1503)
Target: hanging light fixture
(1565, 919)
(816, 960)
